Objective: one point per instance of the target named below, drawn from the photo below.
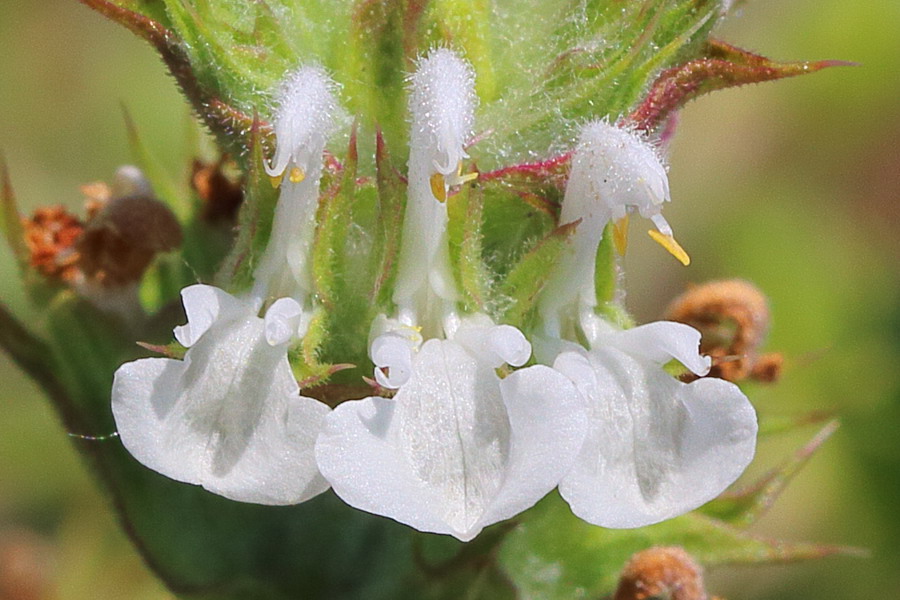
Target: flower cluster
(482, 422)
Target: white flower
(229, 416)
(303, 122)
(614, 171)
(442, 105)
(656, 447)
(458, 448)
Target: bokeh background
(793, 185)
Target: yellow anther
(297, 175)
(620, 235)
(275, 180)
(673, 247)
(461, 179)
(439, 187)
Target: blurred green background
(793, 185)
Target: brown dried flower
(50, 235)
(124, 229)
(661, 573)
(733, 318)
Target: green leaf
(467, 25)
(580, 61)
(177, 197)
(339, 261)
(388, 225)
(333, 220)
(10, 219)
(744, 507)
(466, 212)
(555, 555)
(254, 219)
(522, 286)
(381, 53)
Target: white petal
(656, 448)
(303, 123)
(283, 321)
(229, 417)
(613, 171)
(394, 352)
(661, 341)
(144, 404)
(435, 458)
(494, 345)
(203, 304)
(616, 168)
(548, 425)
(304, 118)
(442, 106)
(277, 464)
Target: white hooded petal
(614, 170)
(495, 345)
(442, 105)
(392, 354)
(656, 448)
(229, 417)
(303, 118)
(303, 122)
(662, 341)
(283, 321)
(203, 304)
(446, 454)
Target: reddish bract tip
(723, 66)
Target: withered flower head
(661, 572)
(733, 317)
(50, 235)
(119, 243)
(124, 228)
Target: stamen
(674, 248)
(461, 179)
(297, 175)
(439, 187)
(620, 235)
(275, 180)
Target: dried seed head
(661, 572)
(118, 245)
(51, 235)
(733, 318)
(113, 246)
